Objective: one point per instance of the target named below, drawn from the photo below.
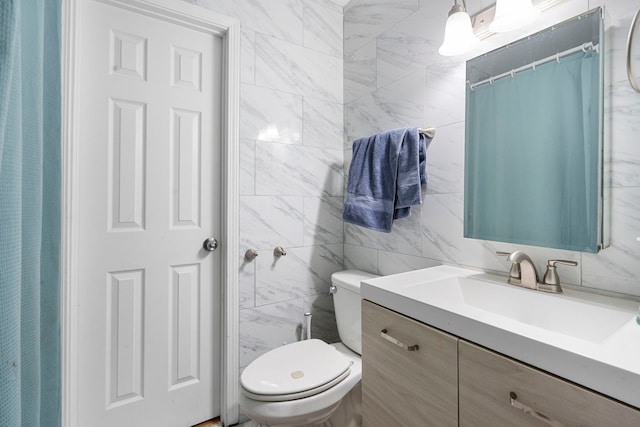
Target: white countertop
(586, 338)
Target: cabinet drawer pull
(383, 334)
(535, 414)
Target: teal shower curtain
(29, 213)
(535, 139)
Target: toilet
(304, 382)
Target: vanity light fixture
(461, 36)
(512, 14)
(458, 33)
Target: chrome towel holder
(428, 132)
(632, 78)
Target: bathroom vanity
(433, 354)
(402, 387)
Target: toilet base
(313, 418)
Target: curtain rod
(584, 47)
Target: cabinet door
(407, 388)
(498, 391)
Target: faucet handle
(551, 275)
(514, 273)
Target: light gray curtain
(29, 213)
(532, 148)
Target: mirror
(533, 139)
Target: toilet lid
(295, 370)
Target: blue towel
(385, 178)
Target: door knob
(210, 244)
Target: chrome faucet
(528, 272)
(523, 272)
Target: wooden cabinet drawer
(407, 388)
(487, 381)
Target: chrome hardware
(529, 410)
(250, 255)
(210, 244)
(523, 273)
(279, 251)
(528, 273)
(514, 273)
(332, 290)
(428, 132)
(307, 325)
(383, 334)
(632, 79)
(551, 280)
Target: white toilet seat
(294, 371)
(294, 396)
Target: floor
(211, 423)
(216, 423)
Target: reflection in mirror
(533, 140)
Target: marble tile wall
(291, 166)
(313, 78)
(394, 77)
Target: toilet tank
(347, 305)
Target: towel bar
(632, 78)
(429, 132)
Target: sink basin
(564, 314)
(590, 339)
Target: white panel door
(149, 187)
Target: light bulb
(458, 33)
(512, 14)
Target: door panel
(149, 183)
